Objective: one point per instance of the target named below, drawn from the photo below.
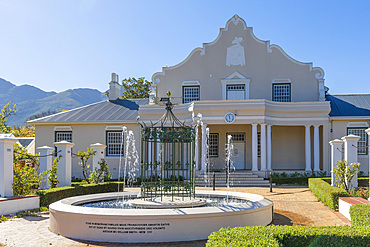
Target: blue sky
(57, 45)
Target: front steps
(236, 178)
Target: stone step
(237, 185)
(231, 179)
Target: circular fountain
(167, 208)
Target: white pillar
(98, 148)
(46, 162)
(368, 149)
(204, 147)
(254, 148)
(336, 155)
(308, 147)
(64, 168)
(263, 147)
(269, 166)
(350, 154)
(316, 148)
(6, 165)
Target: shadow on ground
(286, 218)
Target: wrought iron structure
(167, 157)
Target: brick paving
(292, 206)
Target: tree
(135, 88)
(23, 131)
(84, 157)
(346, 172)
(4, 114)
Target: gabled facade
(276, 109)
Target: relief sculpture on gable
(235, 53)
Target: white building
(276, 108)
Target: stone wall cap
(336, 142)
(351, 137)
(61, 143)
(45, 148)
(98, 145)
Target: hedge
(326, 193)
(52, 195)
(291, 236)
(295, 180)
(360, 215)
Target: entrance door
(238, 141)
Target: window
(363, 140)
(281, 92)
(235, 92)
(62, 136)
(114, 143)
(190, 93)
(213, 145)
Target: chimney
(114, 88)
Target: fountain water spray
(124, 132)
(229, 163)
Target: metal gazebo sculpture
(167, 157)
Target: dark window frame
(280, 84)
(183, 91)
(366, 139)
(107, 143)
(218, 145)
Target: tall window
(363, 140)
(114, 143)
(281, 92)
(62, 136)
(213, 145)
(190, 93)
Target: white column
(254, 148)
(316, 148)
(6, 165)
(269, 166)
(98, 148)
(368, 149)
(308, 147)
(336, 155)
(263, 147)
(46, 162)
(350, 154)
(64, 168)
(204, 147)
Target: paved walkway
(292, 206)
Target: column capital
(254, 124)
(308, 125)
(316, 125)
(263, 124)
(336, 142)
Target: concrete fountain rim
(70, 206)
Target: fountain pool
(70, 219)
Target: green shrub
(291, 236)
(77, 189)
(360, 215)
(326, 193)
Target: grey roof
(109, 110)
(349, 105)
(25, 141)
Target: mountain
(31, 100)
